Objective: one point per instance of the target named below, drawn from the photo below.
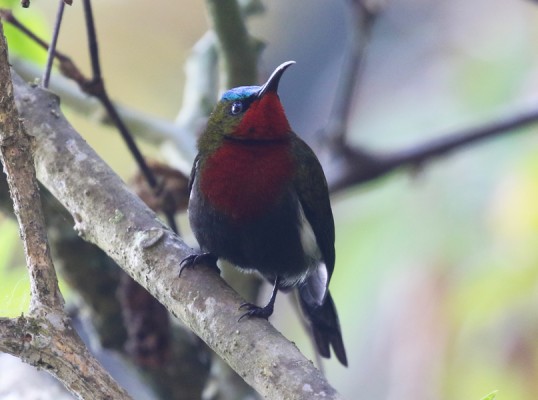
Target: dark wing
(313, 193)
(311, 187)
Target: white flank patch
(308, 238)
(317, 276)
(195, 167)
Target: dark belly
(269, 244)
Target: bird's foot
(256, 311)
(193, 260)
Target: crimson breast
(244, 180)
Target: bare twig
(92, 41)
(101, 93)
(95, 87)
(357, 166)
(53, 42)
(113, 113)
(8, 16)
(142, 125)
(107, 214)
(349, 166)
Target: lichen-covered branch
(45, 339)
(54, 346)
(108, 214)
(95, 277)
(16, 155)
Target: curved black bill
(272, 83)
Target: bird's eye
(237, 108)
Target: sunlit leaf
(14, 282)
(490, 396)
(18, 43)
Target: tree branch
(46, 338)
(96, 279)
(54, 346)
(109, 215)
(15, 153)
(237, 48)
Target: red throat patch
(244, 181)
(264, 119)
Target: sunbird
(259, 199)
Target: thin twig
(8, 16)
(359, 166)
(92, 41)
(53, 42)
(102, 95)
(95, 87)
(417, 155)
(143, 125)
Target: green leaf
(9, 3)
(14, 281)
(490, 396)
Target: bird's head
(251, 113)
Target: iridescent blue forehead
(240, 93)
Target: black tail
(325, 327)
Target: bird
(259, 199)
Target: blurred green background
(436, 280)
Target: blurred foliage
(14, 282)
(490, 396)
(18, 43)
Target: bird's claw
(193, 260)
(256, 311)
